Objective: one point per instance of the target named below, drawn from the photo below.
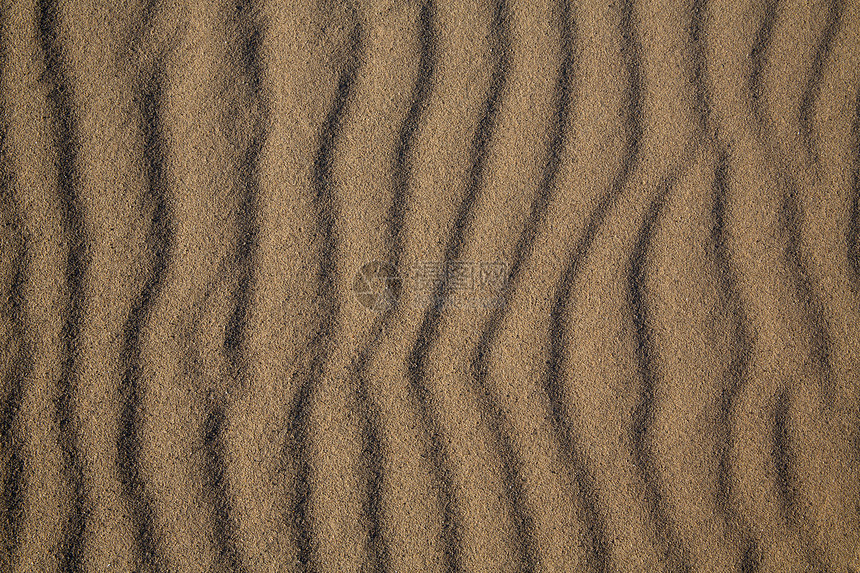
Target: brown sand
(190, 383)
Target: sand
(445, 285)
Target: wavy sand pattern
(672, 380)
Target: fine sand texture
(420, 286)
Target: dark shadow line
(491, 411)
(428, 332)
(751, 559)
(325, 204)
(758, 55)
(820, 342)
(820, 350)
(786, 480)
(500, 52)
(547, 187)
(213, 481)
(781, 455)
(853, 234)
(297, 449)
(599, 542)
(740, 341)
(10, 436)
(65, 143)
(740, 350)
(813, 85)
(791, 221)
(512, 474)
(11, 496)
(699, 73)
(791, 224)
(783, 459)
(247, 213)
(216, 484)
(402, 168)
(373, 450)
(645, 410)
(249, 66)
(791, 215)
(373, 455)
(159, 241)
